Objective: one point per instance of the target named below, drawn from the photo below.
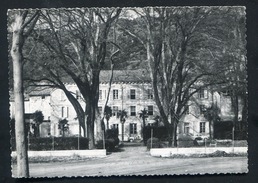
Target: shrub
(159, 132)
(113, 134)
(60, 143)
(110, 144)
(111, 140)
(186, 141)
(156, 143)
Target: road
(137, 161)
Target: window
(100, 95)
(187, 109)
(115, 110)
(186, 128)
(150, 95)
(150, 124)
(203, 93)
(133, 110)
(133, 128)
(115, 126)
(150, 110)
(62, 112)
(132, 94)
(202, 127)
(202, 109)
(115, 94)
(78, 94)
(100, 109)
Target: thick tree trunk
(211, 129)
(175, 134)
(107, 124)
(79, 111)
(90, 111)
(170, 132)
(94, 129)
(21, 145)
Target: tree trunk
(90, 111)
(122, 132)
(170, 137)
(21, 144)
(211, 129)
(107, 124)
(175, 134)
(78, 109)
(94, 130)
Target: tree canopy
(185, 49)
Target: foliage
(110, 144)
(60, 143)
(63, 126)
(74, 43)
(153, 143)
(185, 53)
(143, 115)
(107, 114)
(122, 114)
(185, 49)
(38, 118)
(111, 140)
(112, 133)
(185, 140)
(212, 113)
(159, 132)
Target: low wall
(63, 153)
(167, 152)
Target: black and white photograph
(128, 91)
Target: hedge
(153, 143)
(159, 132)
(60, 143)
(111, 140)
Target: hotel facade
(131, 91)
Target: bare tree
(184, 52)
(22, 23)
(77, 42)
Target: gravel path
(136, 160)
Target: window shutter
(128, 94)
(144, 94)
(138, 94)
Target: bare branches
(33, 20)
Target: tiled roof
(11, 96)
(125, 76)
(35, 91)
(40, 91)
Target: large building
(130, 91)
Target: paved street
(137, 161)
